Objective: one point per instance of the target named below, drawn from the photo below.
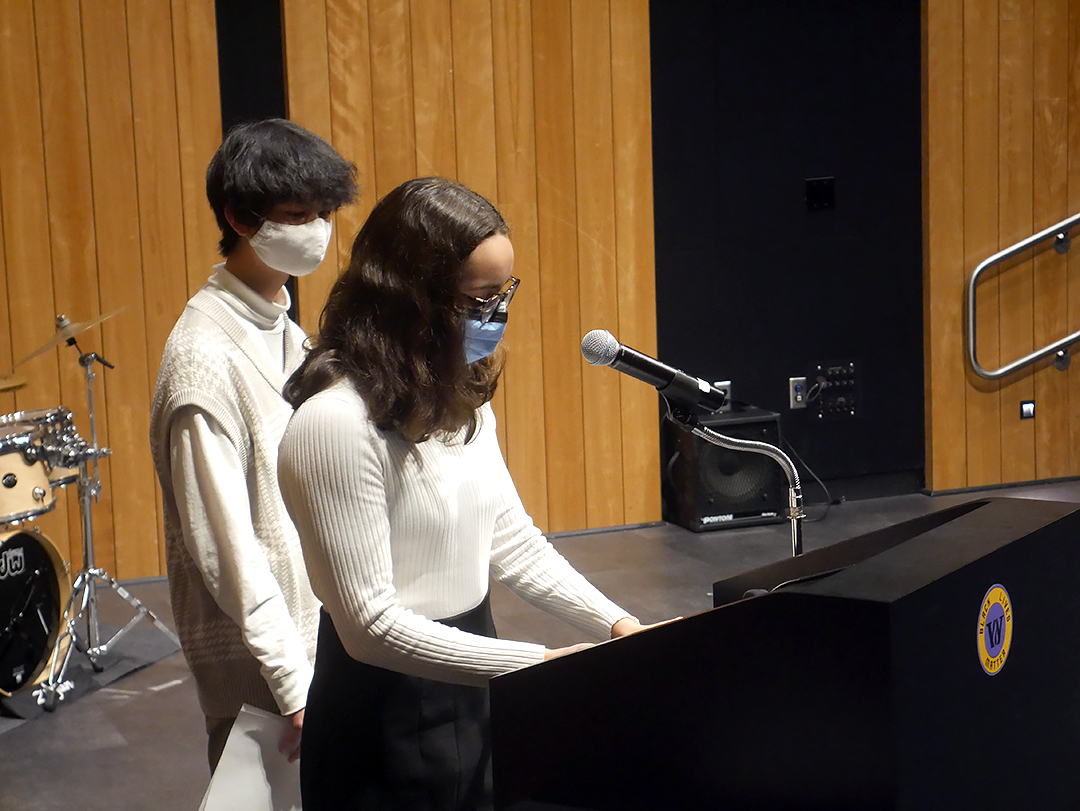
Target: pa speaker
(707, 487)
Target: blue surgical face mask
(481, 339)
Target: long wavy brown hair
(392, 324)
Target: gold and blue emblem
(995, 629)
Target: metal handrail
(1060, 232)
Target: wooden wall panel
(10, 381)
(125, 339)
(71, 232)
(1072, 150)
(515, 148)
(161, 227)
(106, 164)
(198, 106)
(1001, 126)
(943, 244)
(1050, 81)
(448, 87)
(981, 230)
(350, 109)
(307, 80)
(598, 290)
(1016, 305)
(433, 89)
(473, 93)
(25, 211)
(198, 114)
(635, 250)
(393, 118)
(558, 249)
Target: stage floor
(139, 743)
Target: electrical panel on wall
(834, 391)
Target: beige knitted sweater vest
(210, 362)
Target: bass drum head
(34, 590)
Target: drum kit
(45, 616)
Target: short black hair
(263, 163)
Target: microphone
(601, 349)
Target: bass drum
(34, 590)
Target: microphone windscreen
(600, 347)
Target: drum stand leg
(84, 588)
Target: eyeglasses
(492, 308)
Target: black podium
(924, 666)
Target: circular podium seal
(995, 629)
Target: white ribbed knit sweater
(397, 534)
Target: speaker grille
(735, 481)
(709, 487)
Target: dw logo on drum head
(12, 562)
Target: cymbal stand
(89, 577)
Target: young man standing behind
(243, 607)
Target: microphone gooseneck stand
(687, 396)
(688, 421)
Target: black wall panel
(750, 99)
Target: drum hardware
(25, 490)
(69, 452)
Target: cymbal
(65, 331)
(12, 382)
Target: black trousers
(378, 740)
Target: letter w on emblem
(993, 632)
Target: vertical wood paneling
(161, 217)
(943, 239)
(635, 251)
(474, 97)
(124, 339)
(447, 87)
(392, 94)
(558, 248)
(103, 222)
(433, 89)
(71, 232)
(198, 115)
(7, 396)
(199, 128)
(25, 212)
(598, 293)
(980, 81)
(350, 109)
(1020, 113)
(307, 77)
(1073, 192)
(1016, 308)
(1050, 204)
(523, 382)
(474, 124)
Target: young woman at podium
(392, 472)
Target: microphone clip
(683, 416)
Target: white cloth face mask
(293, 249)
